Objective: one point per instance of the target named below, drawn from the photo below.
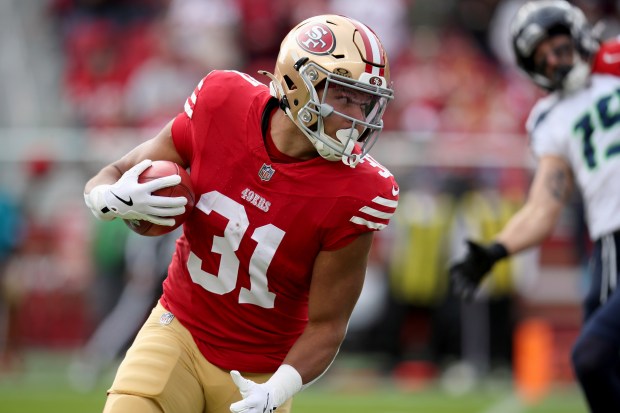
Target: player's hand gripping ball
(157, 170)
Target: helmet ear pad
(310, 119)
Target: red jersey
(240, 276)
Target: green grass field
(42, 387)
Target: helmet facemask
(565, 77)
(364, 130)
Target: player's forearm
(309, 357)
(315, 349)
(160, 147)
(108, 175)
(528, 228)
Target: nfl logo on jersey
(166, 318)
(266, 172)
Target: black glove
(467, 274)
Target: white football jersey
(584, 129)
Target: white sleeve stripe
(377, 214)
(188, 109)
(369, 224)
(385, 202)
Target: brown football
(159, 169)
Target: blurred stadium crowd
(130, 63)
(97, 67)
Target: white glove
(129, 199)
(257, 398)
(266, 397)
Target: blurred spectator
(11, 237)
(473, 16)
(263, 25)
(44, 279)
(119, 11)
(309, 8)
(389, 21)
(158, 86)
(206, 32)
(93, 76)
(602, 13)
(449, 85)
(103, 41)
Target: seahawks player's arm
(160, 147)
(337, 280)
(551, 188)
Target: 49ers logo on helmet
(376, 81)
(316, 39)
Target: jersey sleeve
(181, 136)
(607, 59)
(370, 211)
(182, 132)
(544, 131)
(206, 109)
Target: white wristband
(95, 201)
(286, 381)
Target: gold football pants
(164, 372)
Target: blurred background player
(273, 257)
(575, 135)
(146, 263)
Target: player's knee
(125, 403)
(592, 357)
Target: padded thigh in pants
(164, 372)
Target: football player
(272, 259)
(575, 134)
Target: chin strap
(352, 160)
(349, 137)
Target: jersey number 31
(267, 237)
